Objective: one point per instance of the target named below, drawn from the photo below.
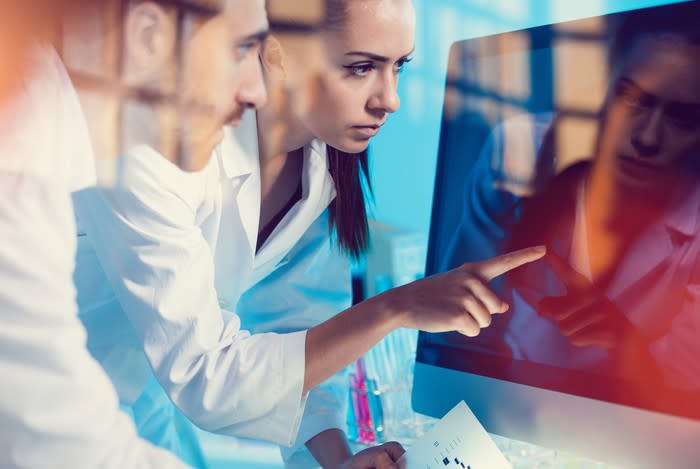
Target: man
(57, 407)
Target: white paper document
(458, 441)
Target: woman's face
(354, 90)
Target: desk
(233, 453)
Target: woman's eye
(359, 70)
(402, 63)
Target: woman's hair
(335, 14)
(350, 172)
(348, 211)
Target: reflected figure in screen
(619, 291)
(513, 163)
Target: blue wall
(404, 154)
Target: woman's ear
(149, 40)
(272, 56)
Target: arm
(225, 380)
(161, 267)
(457, 300)
(330, 448)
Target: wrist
(389, 308)
(330, 448)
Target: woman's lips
(367, 130)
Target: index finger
(497, 266)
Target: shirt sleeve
(311, 285)
(145, 234)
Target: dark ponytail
(350, 172)
(348, 211)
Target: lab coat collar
(318, 190)
(239, 156)
(240, 171)
(239, 147)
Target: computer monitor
(584, 136)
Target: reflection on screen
(583, 136)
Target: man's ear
(272, 56)
(149, 39)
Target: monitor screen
(585, 137)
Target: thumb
(394, 449)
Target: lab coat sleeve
(145, 234)
(311, 284)
(57, 407)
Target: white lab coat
(182, 277)
(57, 407)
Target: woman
(313, 135)
(183, 251)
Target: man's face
(651, 131)
(222, 77)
